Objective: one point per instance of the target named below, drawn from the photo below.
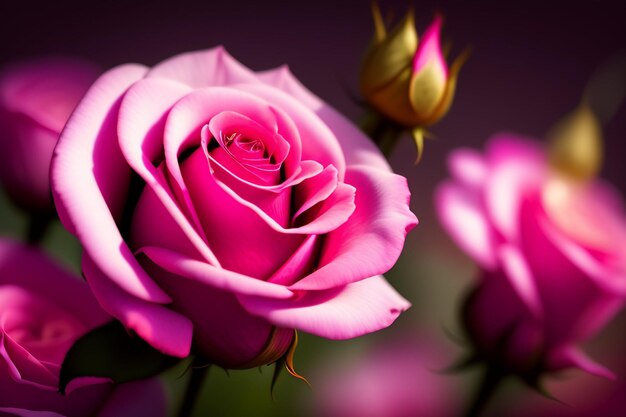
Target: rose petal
(198, 69)
(319, 143)
(516, 270)
(468, 167)
(224, 332)
(20, 412)
(517, 167)
(164, 329)
(30, 269)
(358, 148)
(90, 178)
(462, 214)
(137, 398)
(223, 279)
(574, 357)
(339, 313)
(565, 318)
(225, 220)
(370, 241)
(46, 90)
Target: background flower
(36, 99)
(553, 252)
(43, 311)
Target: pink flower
(43, 311)
(228, 206)
(36, 99)
(552, 251)
(396, 378)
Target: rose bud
(394, 378)
(43, 311)
(552, 250)
(408, 81)
(223, 208)
(36, 99)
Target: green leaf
(110, 351)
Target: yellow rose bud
(405, 80)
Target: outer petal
(223, 331)
(370, 242)
(203, 69)
(339, 313)
(573, 357)
(20, 412)
(587, 305)
(164, 329)
(46, 90)
(89, 178)
(358, 148)
(462, 214)
(468, 167)
(30, 269)
(517, 167)
(215, 277)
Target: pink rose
(395, 378)
(36, 98)
(43, 311)
(228, 207)
(552, 251)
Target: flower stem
(37, 227)
(492, 379)
(198, 375)
(383, 132)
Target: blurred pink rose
(36, 99)
(396, 378)
(553, 252)
(43, 311)
(230, 204)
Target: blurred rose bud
(408, 81)
(396, 378)
(576, 148)
(36, 99)
(552, 251)
(43, 311)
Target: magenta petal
(570, 356)
(20, 412)
(518, 167)
(300, 263)
(517, 271)
(136, 399)
(338, 313)
(46, 90)
(468, 167)
(89, 178)
(210, 275)
(28, 268)
(226, 219)
(141, 125)
(429, 50)
(370, 242)
(164, 329)
(358, 148)
(462, 215)
(213, 67)
(319, 143)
